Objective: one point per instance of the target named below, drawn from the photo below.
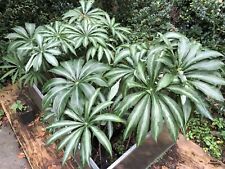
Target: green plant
(173, 66)
(18, 106)
(74, 84)
(82, 126)
(84, 13)
(147, 84)
(202, 20)
(208, 134)
(15, 69)
(1, 114)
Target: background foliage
(202, 20)
(17, 12)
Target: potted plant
(24, 112)
(102, 87)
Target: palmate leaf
(84, 13)
(74, 84)
(82, 127)
(116, 30)
(47, 51)
(57, 32)
(84, 34)
(22, 36)
(101, 52)
(14, 66)
(198, 70)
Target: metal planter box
(135, 157)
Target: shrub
(202, 20)
(98, 77)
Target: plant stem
(128, 142)
(100, 153)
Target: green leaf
(205, 55)
(66, 140)
(183, 48)
(64, 123)
(184, 91)
(206, 77)
(206, 65)
(208, 90)
(61, 133)
(194, 48)
(60, 101)
(114, 90)
(156, 118)
(170, 122)
(201, 108)
(165, 81)
(186, 107)
(72, 144)
(92, 101)
(86, 142)
(108, 117)
(73, 115)
(143, 125)
(129, 101)
(51, 59)
(102, 139)
(174, 109)
(141, 72)
(100, 107)
(121, 55)
(135, 116)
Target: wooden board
(32, 137)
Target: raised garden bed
(134, 157)
(33, 136)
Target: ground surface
(187, 155)
(11, 157)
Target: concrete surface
(9, 150)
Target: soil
(28, 114)
(187, 155)
(119, 147)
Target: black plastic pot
(26, 116)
